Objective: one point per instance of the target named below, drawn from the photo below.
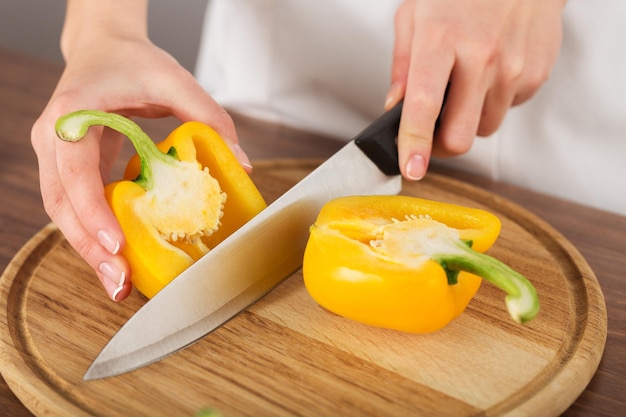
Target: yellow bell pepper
(406, 263)
(179, 198)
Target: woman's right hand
(484, 56)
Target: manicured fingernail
(109, 242)
(119, 288)
(392, 96)
(416, 167)
(389, 101)
(112, 273)
(241, 156)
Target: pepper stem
(521, 300)
(72, 127)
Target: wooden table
(26, 84)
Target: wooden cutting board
(288, 356)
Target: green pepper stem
(521, 300)
(72, 127)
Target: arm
(111, 65)
(494, 54)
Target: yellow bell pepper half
(195, 141)
(405, 263)
(178, 199)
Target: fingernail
(241, 156)
(113, 274)
(109, 242)
(119, 288)
(416, 168)
(388, 101)
(392, 96)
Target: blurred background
(34, 26)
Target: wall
(34, 26)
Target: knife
(254, 259)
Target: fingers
(79, 174)
(497, 103)
(112, 270)
(478, 98)
(72, 193)
(426, 65)
(422, 105)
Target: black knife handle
(379, 140)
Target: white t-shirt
(325, 67)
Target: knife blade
(253, 260)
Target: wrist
(92, 22)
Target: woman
(323, 66)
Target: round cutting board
(287, 356)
